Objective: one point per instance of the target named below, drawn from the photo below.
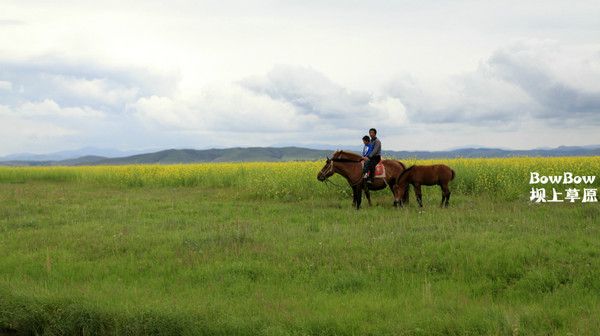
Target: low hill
(271, 154)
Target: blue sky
(198, 74)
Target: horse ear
(327, 156)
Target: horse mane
(340, 154)
(405, 171)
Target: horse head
(326, 171)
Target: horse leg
(418, 194)
(368, 194)
(443, 195)
(357, 194)
(447, 192)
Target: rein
(327, 180)
(344, 160)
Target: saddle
(379, 169)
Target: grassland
(265, 249)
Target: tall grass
(265, 249)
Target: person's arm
(369, 149)
(376, 149)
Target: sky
(429, 75)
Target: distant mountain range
(71, 154)
(249, 154)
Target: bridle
(331, 168)
(329, 173)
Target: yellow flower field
(503, 177)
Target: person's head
(366, 139)
(373, 133)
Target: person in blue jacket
(367, 149)
(368, 146)
(373, 157)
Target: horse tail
(402, 164)
(453, 174)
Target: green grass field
(265, 249)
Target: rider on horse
(372, 157)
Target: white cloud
(5, 85)
(223, 108)
(18, 132)
(13, 128)
(313, 94)
(82, 83)
(96, 90)
(288, 99)
(49, 108)
(203, 67)
(562, 79)
(528, 79)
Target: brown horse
(349, 166)
(424, 175)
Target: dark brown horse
(424, 175)
(349, 165)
